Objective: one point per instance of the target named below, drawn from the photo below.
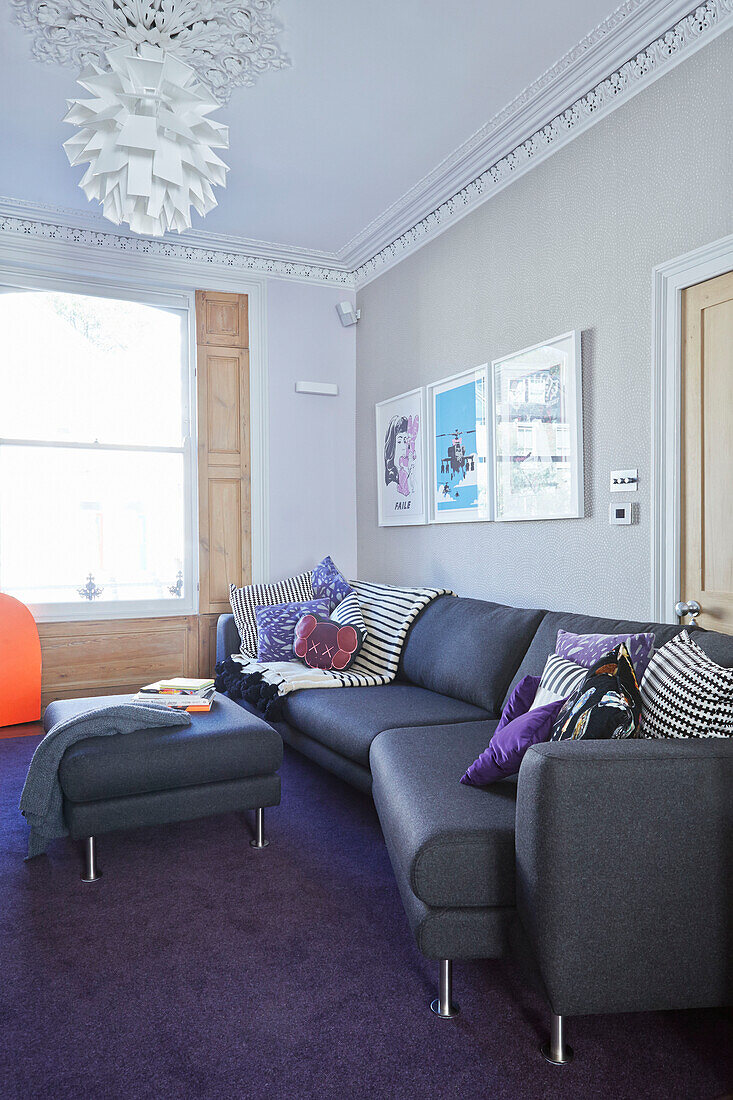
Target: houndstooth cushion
(245, 602)
(685, 694)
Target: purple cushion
(586, 649)
(508, 745)
(520, 700)
(329, 581)
(276, 627)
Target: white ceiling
(379, 93)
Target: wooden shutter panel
(223, 448)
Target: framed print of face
(459, 475)
(537, 431)
(401, 460)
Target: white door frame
(669, 280)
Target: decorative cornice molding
(384, 243)
(688, 34)
(22, 220)
(200, 238)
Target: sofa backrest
(469, 649)
(227, 637)
(719, 647)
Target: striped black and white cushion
(348, 613)
(560, 678)
(388, 614)
(685, 694)
(245, 602)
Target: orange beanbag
(20, 664)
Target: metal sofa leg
(259, 837)
(443, 1005)
(91, 871)
(557, 1051)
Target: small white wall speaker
(347, 314)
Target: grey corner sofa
(607, 864)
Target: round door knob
(688, 607)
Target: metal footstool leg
(91, 872)
(259, 837)
(557, 1051)
(443, 1005)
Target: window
(96, 497)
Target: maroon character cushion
(323, 643)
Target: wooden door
(707, 451)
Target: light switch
(624, 481)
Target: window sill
(101, 612)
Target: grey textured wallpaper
(570, 245)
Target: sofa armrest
(624, 855)
(227, 637)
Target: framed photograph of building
(458, 478)
(537, 431)
(401, 431)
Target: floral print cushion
(607, 704)
(276, 627)
(586, 649)
(329, 581)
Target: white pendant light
(148, 140)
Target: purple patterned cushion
(329, 581)
(586, 649)
(508, 745)
(520, 701)
(276, 627)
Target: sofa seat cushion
(227, 743)
(454, 844)
(348, 719)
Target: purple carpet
(199, 968)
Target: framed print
(401, 460)
(537, 432)
(458, 467)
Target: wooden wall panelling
(222, 319)
(207, 644)
(116, 656)
(223, 448)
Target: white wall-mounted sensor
(619, 513)
(347, 314)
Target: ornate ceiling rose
(228, 43)
(156, 69)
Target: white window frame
(184, 304)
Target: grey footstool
(225, 760)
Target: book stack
(180, 693)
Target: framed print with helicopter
(401, 497)
(537, 431)
(458, 469)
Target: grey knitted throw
(41, 802)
